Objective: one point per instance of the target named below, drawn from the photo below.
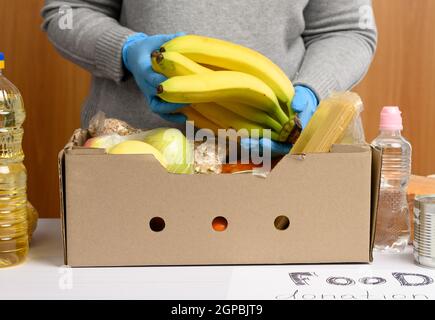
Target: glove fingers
(276, 148)
(149, 91)
(153, 78)
(156, 104)
(248, 144)
(256, 146)
(174, 117)
(146, 89)
(159, 106)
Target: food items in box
(138, 147)
(102, 126)
(209, 157)
(168, 145)
(177, 150)
(329, 123)
(104, 142)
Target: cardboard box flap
(349, 148)
(336, 151)
(77, 139)
(85, 151)
(376, 185)
(375, 182)
(62, 194)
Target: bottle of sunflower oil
(14, 243)
(32, 220)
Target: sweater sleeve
(340, 38)
(88, 33)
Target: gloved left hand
(136, 55)
(304, 103)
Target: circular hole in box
(219, 224)
(157, 224)
(282, 223)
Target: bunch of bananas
(227, 86)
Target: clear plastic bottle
(393, 222)
(14, 243)
(32, 219)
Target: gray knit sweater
(324, 44)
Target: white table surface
(43, 276)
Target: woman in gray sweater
(322, 46)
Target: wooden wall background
(53, 90)
(403, 73)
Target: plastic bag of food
(329, 123)
(354, 134)
(209, 157)
(101, 126)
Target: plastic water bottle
(14, 243)
(393, 222)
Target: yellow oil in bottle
(32, 219)
(14, 240)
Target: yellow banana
(199, 120)
(227, 119)
(214, 68)
(230, 56)
(222, 86)
(253, 115)
(173, 64)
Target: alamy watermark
(228, 140)
(366, 18)
(66, 279)
(66, 18)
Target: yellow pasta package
(329, 123)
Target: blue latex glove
(304, 103)
(258, 146)
(136, 55)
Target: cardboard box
(109, 200)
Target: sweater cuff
(108, 53)
(321, 83)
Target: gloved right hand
(304, 104)
(275, 149)
(136, 55)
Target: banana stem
(274, 136)
(155, 54)
(158, 56)
(285, 132)
(295, 131)
(281, 116)
(291, 131)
